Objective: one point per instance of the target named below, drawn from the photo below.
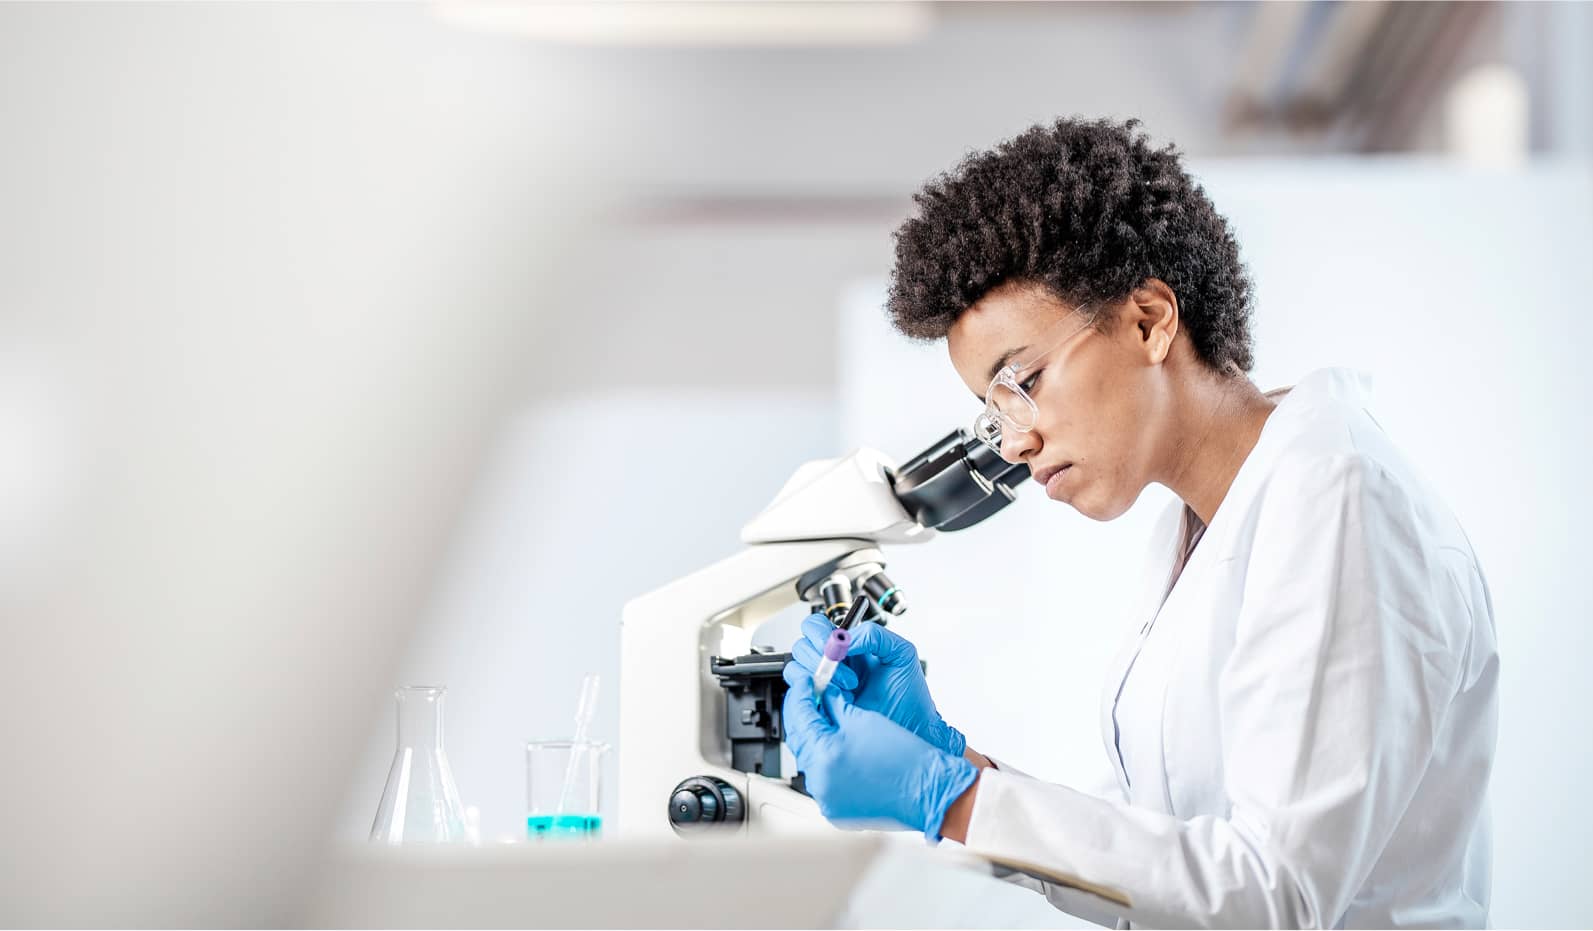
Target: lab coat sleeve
(1068, 900)
(1330, 702)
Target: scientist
(1302, 719)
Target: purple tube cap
(835, 647)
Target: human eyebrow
(998, 366)
(1005, 358)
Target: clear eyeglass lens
(1014, 406)
(988, 430)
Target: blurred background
(351, 346)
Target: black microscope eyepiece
(956, 483)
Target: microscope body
(700, 722)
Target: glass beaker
(420, 803)
(564, 788)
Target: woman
(1302, 721)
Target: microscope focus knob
(701, 802)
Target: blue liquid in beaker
(540, 826)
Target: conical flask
(420, 804)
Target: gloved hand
(881, 671)
(863, 769)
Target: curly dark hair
(1086, 209)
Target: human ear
(1155, 314)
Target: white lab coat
(1303, 729)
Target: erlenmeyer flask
(420, 804)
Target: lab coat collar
(1345, 384)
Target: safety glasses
(1008, 405)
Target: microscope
(700, 752)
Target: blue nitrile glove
(881, 671)
(864, 769)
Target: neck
(1217, 422)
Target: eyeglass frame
(1007, 377)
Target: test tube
(834, 652)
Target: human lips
(1045, 475)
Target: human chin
(1097, 501)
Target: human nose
(1017, 446)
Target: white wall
(880, 119)
(1459, 293)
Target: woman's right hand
(882, 673)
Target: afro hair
(1086, 209)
